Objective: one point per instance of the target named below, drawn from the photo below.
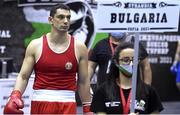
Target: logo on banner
(82, 20)
(82, 23)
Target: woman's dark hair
(58, 6)
(113, 75)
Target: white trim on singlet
(75, 51)
(40, 50)
(54, 95)
(60, 52)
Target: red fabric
(86, 109)
(39, 107)
(52, 69)
(14, 104)
(126, 105)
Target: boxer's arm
(26, 69)
(83, 79)
(15, 102)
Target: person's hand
(173, 68)
(14, 104)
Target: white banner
(137, 16)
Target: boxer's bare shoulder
(35, 47)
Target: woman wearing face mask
(101, 55)
(114, 95)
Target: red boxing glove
(86, 108)
(14, 104)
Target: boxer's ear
(50, 19)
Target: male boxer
(56, 58)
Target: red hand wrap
(86, 108)
(14, 104)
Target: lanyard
(126, 105)
(111, 45)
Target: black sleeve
(93, 55)
(155, 102)
(142, 51)
(98, 101)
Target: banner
(161, 49)
(138, 16)
(82, 21)
(50, 2)
(38, 2)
